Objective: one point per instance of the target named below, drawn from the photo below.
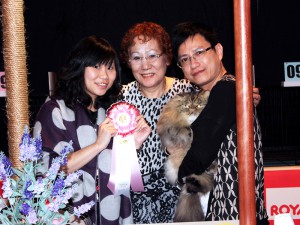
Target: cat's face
(192, 104)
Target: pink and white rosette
(125, 169)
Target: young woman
(146, 48)
(88, 84)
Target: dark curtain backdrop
(276, 37)
(53, 27)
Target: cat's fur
(174, 130)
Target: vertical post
(245, 130)
(14, 55)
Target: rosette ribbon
(125, 169)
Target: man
(199, 55)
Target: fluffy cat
(174, 130)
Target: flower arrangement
(26, 198)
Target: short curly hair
(146, 31)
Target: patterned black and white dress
(215, 137)
(157, 204)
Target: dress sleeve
(210, 129)
(53, 130)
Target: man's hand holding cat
(256, 96)
(141, 132)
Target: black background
(53, 27)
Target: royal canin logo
(279, 209)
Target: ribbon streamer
(125, 169)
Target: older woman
(146, 48)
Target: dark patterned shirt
(59, 125)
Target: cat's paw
(202, 183)
(171, 172)
(192, 185)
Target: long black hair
(90, 51)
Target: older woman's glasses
(151, 58)
(197, 55)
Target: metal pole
(245, 130)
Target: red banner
(282, 192)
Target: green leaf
(30, 188)
(18, 172)
(13, 182)
(12, 201)
(8, 212)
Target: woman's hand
(106, 131)
(141, 132)
(256, 96)
(78, 159)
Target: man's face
(200, 64)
